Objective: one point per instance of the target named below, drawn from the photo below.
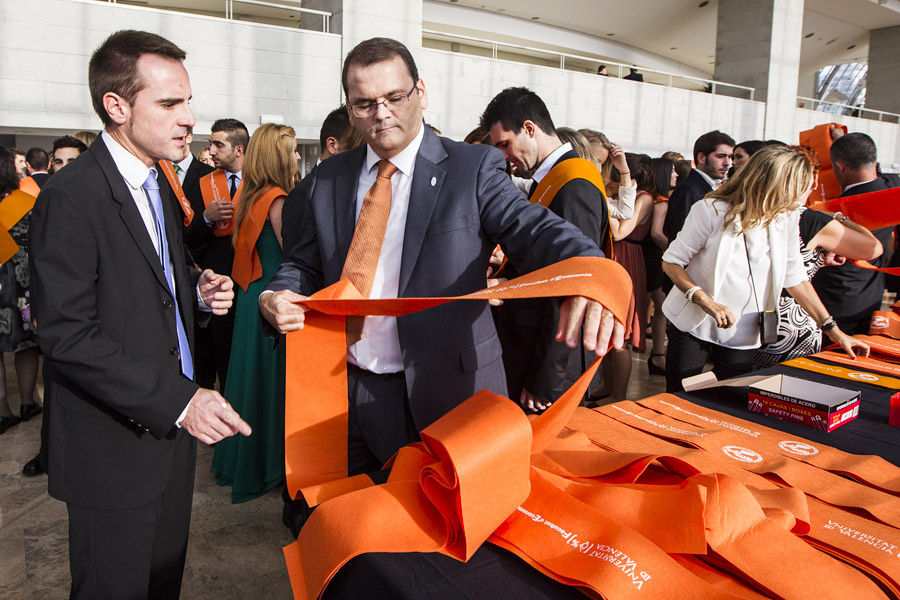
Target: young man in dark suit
(852, 294)
(713, 152)
(450, 204)
(116, 302)
(538, 369)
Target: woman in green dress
(255, 384)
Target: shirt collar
(858, 183)
(713, 183)
(133, 171)
(405, 160)
(185, 162)
(550, 161)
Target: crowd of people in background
(711, 241)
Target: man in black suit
(450, 204)
(633, 75)
(116, 302)
(189, 170)
(37, 162)
(712, 159)
(538, 369)
(852, 294)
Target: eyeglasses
(392, 103)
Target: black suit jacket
(112, 376)
(40, 178)
(847, 290)
(292, 212)
(684, 196)
(462, 203)
(533, 359)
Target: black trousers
(686, 356)
(135, 553)
(212, 349)
(380, 422)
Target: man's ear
(700, 159)
(239, 150)
(530, 128)
(332, 145)
(116, 107)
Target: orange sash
(247, 268)
(12, 208)
(819, 139)
(214, 187)
(885, 323)
(29, 186)
(872, 210)
(891, 383)
(868, 363)
(172, 177)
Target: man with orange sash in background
(212, 236)
(409, 214)
(539, 370)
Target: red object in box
(894, 416)
(812, 404)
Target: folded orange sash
(869, 363)
(246, 267)
(806, 364)
(12, 208)
(885, 323)
(172, 177)
(214, 187)
(29, 186)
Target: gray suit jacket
(462, 203)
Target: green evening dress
(255, 388)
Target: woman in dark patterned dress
(824, 239)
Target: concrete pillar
(758, 45)
(358, 20)
(882, 81)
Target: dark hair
(856, 150)
(708, 142)
(335, 125)
(600, 68)
(751, 147)
(376, 50)
(478, 136)
(662, 175)
(113, 66)
(235, 132)
(683, 168)
(67, 141)
(9, 179)
(37, 159)
(775, 143)
(512, 107)
(639, 166)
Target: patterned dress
(798, 334)
(17, 331)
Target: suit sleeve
(677, 213)
(292, 214)
(65, 265)
(301, 268)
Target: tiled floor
(234, 550)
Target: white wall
(240, 70)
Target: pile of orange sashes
(654, 499)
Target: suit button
(174, 351)
(167, 304)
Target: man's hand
(600, 327)
(219, 210)
(280, 310)
(210, 418)
(494, 282)
(529, 401)
(217, 291)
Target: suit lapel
(344, 205)
(428, 178)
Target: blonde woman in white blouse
(746, 230)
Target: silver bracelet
(690, 293)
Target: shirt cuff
(182, 415)
(201, 304)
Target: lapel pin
(433, 181)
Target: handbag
(768, 318)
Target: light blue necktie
(184, 351)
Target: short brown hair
(376, 50)
(113, 66)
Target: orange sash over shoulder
(819, 139)
(214, 187)
(247, 268)
(172, 177)
(562, 173)
(29, 186)
(12, 208)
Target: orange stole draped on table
(12, 208)
(246, 267)
(587, 500)
(214, 187)
(172, 177)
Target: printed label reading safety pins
(603, 552)
(859, 536)
(712, 421)
(515, 286)
(668, 428)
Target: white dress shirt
(549, 162)
(713, 183)
(379, 348)
(183, 166)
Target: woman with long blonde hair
(255, 383)
(740, 246)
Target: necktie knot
(177, 169)
(150, 183)
(386, 169)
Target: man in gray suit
(449, 205)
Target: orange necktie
(362, 259)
